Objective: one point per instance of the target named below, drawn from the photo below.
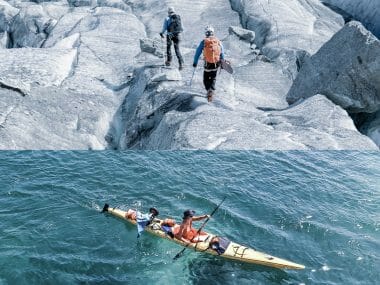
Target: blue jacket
(200, 50)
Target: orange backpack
(212, 50)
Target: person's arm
(165, 26)
(198, 218)
(182, 27)
(198, 52)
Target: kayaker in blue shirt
(172, 27)
(142, 219)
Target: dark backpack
(175, 25)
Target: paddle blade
(179, 254)
(105, 208)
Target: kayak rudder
(105, 208)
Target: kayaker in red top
(186, 232)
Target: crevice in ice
(134, 130)
(16, 89)
(113, 87)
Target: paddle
(179, 254)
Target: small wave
(325, 268)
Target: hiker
(173, 28)
(186, 232)
(213, 53)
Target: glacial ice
(84, 74)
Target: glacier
(90, 74)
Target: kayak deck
(234, 250)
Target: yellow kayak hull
(234, 250)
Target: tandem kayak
(231, 250)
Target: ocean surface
(320, 209)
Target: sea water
(320, 209)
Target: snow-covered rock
(105, 58)
(346, 69)
(22, 68)
(119, 4)
(31, 27)
(167, 75)
(7, 13)
(153, 46)
(365, 11)
(318, 121)
(287, 29)
(295, 24)
(244, 34)
(69, 42)
(53, 118)
(4, 39)
(80, 3)
(170, 116)
(64, 96)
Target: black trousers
(209, 77)
(175, 39)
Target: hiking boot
(167, 63)
(209, 95)
(180, 66)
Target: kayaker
(135, 215)
(186, 232)
(142, 219)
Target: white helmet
(171, 10)
(209, 30)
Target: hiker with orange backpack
(213, 54)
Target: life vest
(131, 214)
(212, 50)
(168, 222)
(190, 233)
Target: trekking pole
(163, 50)
(192, 76)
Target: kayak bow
(233, 251)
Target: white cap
(171, 10)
